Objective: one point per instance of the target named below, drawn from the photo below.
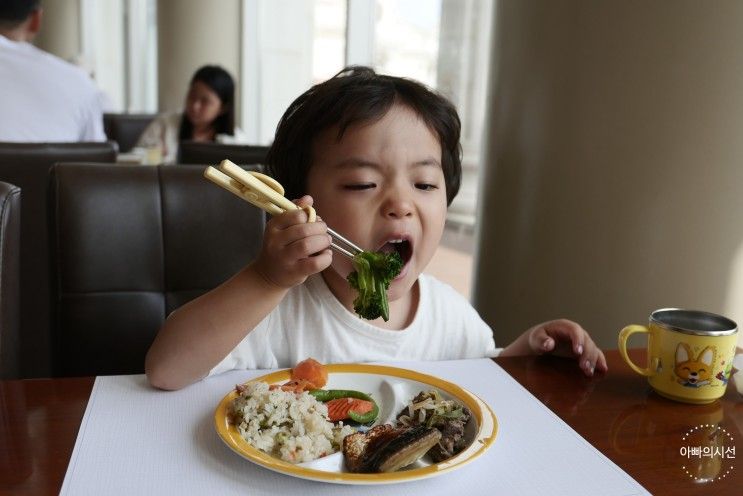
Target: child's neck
(402, 310)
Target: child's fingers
(566, 330)
(288, 219)
(557, 335)
(541, 342)
(305, 201)
(600, 361)
(317, 263)
(298, 232)
(307, 246)
(592, 359)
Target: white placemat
(138, 440)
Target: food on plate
(297, 421)
(447, 416)
(312, 371)
(372, 277)
(386, 448)
(288, 425)
(343, 408)
(348, 404)
(307, 375)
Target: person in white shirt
(380, 158)
(208, 115)
(43, 98)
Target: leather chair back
(10, 244)
(133, 244)
(125, 129)
(193, 152)
(27, 166)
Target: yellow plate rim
(486, 421)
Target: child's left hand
(561, 337)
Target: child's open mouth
(404, 248)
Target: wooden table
(617, 413)
(637, 429)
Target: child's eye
(359, 186)
(426, 186)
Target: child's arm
(201, 333)
(561, 337)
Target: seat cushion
(133, 243)
(27, 166)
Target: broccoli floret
(372, 277)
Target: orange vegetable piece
(311, 371)
(294, 386)
(338, 409)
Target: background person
(42, 97)
(208, 115)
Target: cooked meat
(449, 417)
(452, 439)
(355, 445)
(385, 448)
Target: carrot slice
(338, 409)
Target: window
(121, 56)
(289, 45)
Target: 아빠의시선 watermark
(707, 452)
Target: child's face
(382, 182)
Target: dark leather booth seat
(192, 152)
(133, 244)
(27, 166)
(10, 244)
(125, 129)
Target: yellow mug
(690, 353)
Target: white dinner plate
(392, 388)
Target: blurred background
(603, 166)
(142, 54)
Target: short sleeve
(253, 352)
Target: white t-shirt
(311, 322)
(44, 98)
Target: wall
(614, 158)
(192, 33)
(60, 28)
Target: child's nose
(398, 208)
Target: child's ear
(706, 356)
(682, 352)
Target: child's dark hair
(221, 83)
(357, 95)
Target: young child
(379, 159)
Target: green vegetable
(372, 277)
(439, 418)
(325, 395)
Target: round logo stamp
(707, 452)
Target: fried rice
(287, 425)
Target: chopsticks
(267, 194)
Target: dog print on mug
(694, 372)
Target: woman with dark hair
(208, 115)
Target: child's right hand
(293, 249)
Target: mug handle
(623, 336)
